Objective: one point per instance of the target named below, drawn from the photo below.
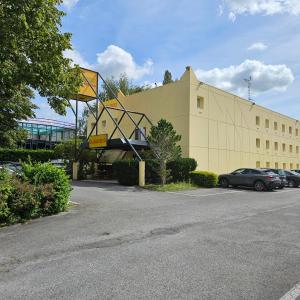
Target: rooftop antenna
(249, 82)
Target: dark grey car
(281, 174)
(258, 179)
(293, 178)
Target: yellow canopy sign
(89, 89)
(98, 141)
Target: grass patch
(171, 187)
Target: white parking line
(205, 195)
(292, 294)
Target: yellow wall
(170, 102)
(221, 136)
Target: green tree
(122, 84)
(167, 77)
(163, 141)
(32, 60)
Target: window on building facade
(267, 123)
(290, 130)
(284, 166)
(297, 131)
(291, 166)
(267, 164)
(275, 126)
(276, 165)
(283, 128)
(200, 103)
(283, 147)
(104, 123)
(258, 164)
(267, 144)
(276, 146)
(257, 143)
(297, 149)
(257, 120)
(291, 148)
(297, 166)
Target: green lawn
(179, 186)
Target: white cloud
(70, 3)
(152, 85)
(77, 59)
(258, 47)
(114, 61)
(265, 77)
(265, 7)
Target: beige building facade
(222, 131)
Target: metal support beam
(112, 118)
(116, 97)
(118, 125)
(139, 122)
(70, 105)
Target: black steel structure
(124, 143)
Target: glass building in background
(46, 133)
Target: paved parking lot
(127, 243)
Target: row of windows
(277, 165)
(275, 126)
(276, 146)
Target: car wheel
(259, 186)
(292, 183)
(224, 183)
(281, 187)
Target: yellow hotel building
(222, 131)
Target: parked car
(281, 175)
(297, 171)
(258, 179)
(12, 167)
(293, 178)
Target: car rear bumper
(274, 184)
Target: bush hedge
(43, 190)
(126, 171)
(181, 168)
(204, 179)
(26, 155)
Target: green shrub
(181, 168)
(23, 202)
(151, 172)
(126, 171)
(53, 186)
(26, 155)
(6, 188)
(204, 179)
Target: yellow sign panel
(98, 141)
(89, 89)
(111, 103)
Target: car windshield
(293, 173)
(239, 171)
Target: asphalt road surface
(127, 243)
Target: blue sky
(224, 41)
